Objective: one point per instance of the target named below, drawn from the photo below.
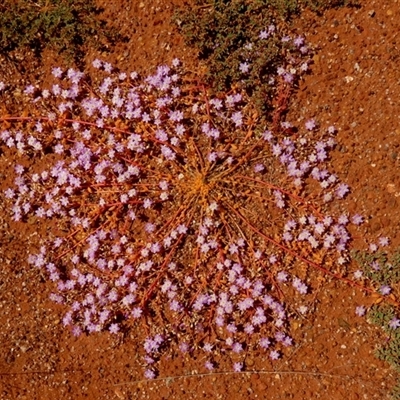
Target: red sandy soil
(354, 84)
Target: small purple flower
(303, 309)
(184, 347)
(212, 157)
(237, 118)
(29, 89)
(147, 203)
(358, 274)
(209, 365)
(300, 286)
(264, 343)
(298, 41)
(57, 72)
(357, 219)
(385, 290)
(279, 336)
(310, 124)
(244, 67)
(394, 323)
(19, 169)
(114, 328)
(76, 331)
(176, 116)
(373, 247)
(288, 77)
(342, 190)
(282, 276)
(343, 219)
(286, 125)
(149, 374)
(107, 67)
(274, 355)
(237, 366)
(237, 347)
(137, 312)
(207, 347)
(360, 311)
(245, 304)
(383, 241)
(168, 153)
(287, 341)
(259, 168)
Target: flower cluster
(173, 207)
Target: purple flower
(161, 135)
(114, 328)
(107, 67)
(342, 190)
(375, 265)
(287, 341)
(149, 374)
(288, 77)
(394, 323)
(137, 312)
(286, 125)
(310, 124)
(385, 290)
(358, 274)
(76, 331)
(237, 347)
(259, 168)
(237, 366)
(209, 365)
(168, 153)
(147, 203)
(331, 129)
(244, 67)
(298, 41)
(150, 345)
(383, 241)
(343, 219)
(282, 276)
(176, 116)
(237, 118)
(373, 247)
(212, 157)
(360, 311)
(207, 347)
(357, 219)
(279, 336)
(249, 329)
(274, 355)
(303, 309)
(245, 304)
(300, 286)
(57, 72)
(176, 62)
(29, 89)
(184, 347)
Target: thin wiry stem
(263, 372)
